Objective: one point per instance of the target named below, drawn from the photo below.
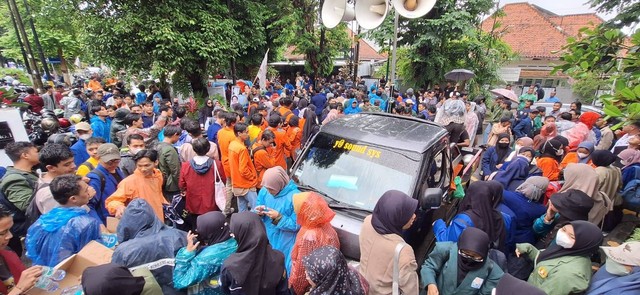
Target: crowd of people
(213, 195)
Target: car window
(437, 173)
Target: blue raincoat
(144, 238)
(283, 235)
(201, 272)
(60, 233)
(349, 109)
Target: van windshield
(356, 173)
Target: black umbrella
(459, 75)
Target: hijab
(213, 228)
(502, 152)
(255, 266)
(552, 148)
(588, 240)
(110, 279)
(525, 141)
(310, 124)
(603, 158)
(275, 178)
(329, 270)
(534, 187)
(393, 210)
(547, 132)
(590, 147)
(484, 197)
(582, 177)
(207, 111)
(477, 241)
(453, 111)
(589, 119)
(572, 205)
(630, 157)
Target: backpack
(88, 165)
(631, 193)
(19, 217)
(255, 150)
(33, 212)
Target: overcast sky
(561, 7)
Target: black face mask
(503, 145)
(469, 264)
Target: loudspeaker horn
(371, 13)
(413, 8)
(336, 11)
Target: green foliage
(626, 11)
(597, 55)
(446, 38)
(22, 76)
(587, 87)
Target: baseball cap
(108, 152)
(256, 99)
(627, 253)
(84, 126)
(408, 101)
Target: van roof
(398, 132)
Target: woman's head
(553, 147)
(6, 222)
(603, 158)
(589, 119)
(275, 179)
(572, 204)
(534, 187)
(312, 210)
(622, 259)
(473, 247)
(585, 149)
(109, 279)
(629, 157)
(393, 213)
(579, 235)
(327, 272)
(212, 228)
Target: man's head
(166, 109)
(533, 113)
(92, 144)
(505, 121)
(135, 142)
(6, 223)
(552, 93)
(172, 133)
(99, 110)
(192, 127)
(557, 106)
(230, 119)
(549, 119)
(84, 130)
(275, 120)
(23, 152)
(148, 108)
(633, 128)
(117, 99)
(268, 138)
(256, 119)
(294, 121)
(146, 161)
(109, 155)
(99, 95)
(506, 104)
(576, 105)
(133, 120)
(508, 87)
(531, 90)
(136, 109)
(57, 158)
(71, 191)
(575, 115)
(240, 130)
(31, 91)
(180, 112)
(528, 103)
(48, 89)
(141, 88)
(201, 146)
(111, 111)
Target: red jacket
(15, 266)
(199, 188)
(35, 101)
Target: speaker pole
(393, 53)
(356, 58)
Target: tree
(320, 47)
(448, 37)
(627, 11)
(615, 58)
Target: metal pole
(15, 27)
(37, 41)
(356, 58)
(393, 52)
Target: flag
(262, 72)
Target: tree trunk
(63, 67)
(198, 86)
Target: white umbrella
(459, 75)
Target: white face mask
(134, 151)
(582, 155)
(85, 136)
(563, 240)
(615, 268)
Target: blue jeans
(485, 134)
(248, 201)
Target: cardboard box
(112, 224)
(92, 254)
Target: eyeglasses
(467, 256)
(114, 161)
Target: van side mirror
(431, 198)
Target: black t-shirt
(457, 132)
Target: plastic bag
(459, 191)
(220, 190)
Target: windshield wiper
(315, 190)
(343, 206)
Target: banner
(262, 72)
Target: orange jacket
(225, 137)
(285, 113)
(262, 161)
(137, 185)
(243, 173)
(283, 146)
(550, 168)
(572, 157)
(295, 137)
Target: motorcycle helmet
(61, 138)
(75, 118)
(64, 122)
(59, 113)
(49, 125)
(47, 113)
